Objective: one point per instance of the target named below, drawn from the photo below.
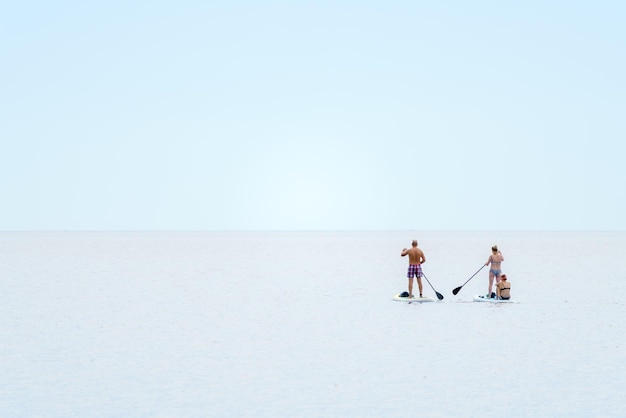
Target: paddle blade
(455, 291)
(439, 296)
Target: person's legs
(419, 285)
(410, 287)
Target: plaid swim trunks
(414, 270)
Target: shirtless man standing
(416, 259)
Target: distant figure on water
(495, 259)
(416, 259)
(503, 288)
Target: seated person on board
(503, 288)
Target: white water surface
(303, 325)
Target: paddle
(439, 295)
(455, 291)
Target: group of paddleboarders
(417, 258)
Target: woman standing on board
(495, 259)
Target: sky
(313, 115)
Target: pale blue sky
(277, 115)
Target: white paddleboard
(413, 299)
(482, 298)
